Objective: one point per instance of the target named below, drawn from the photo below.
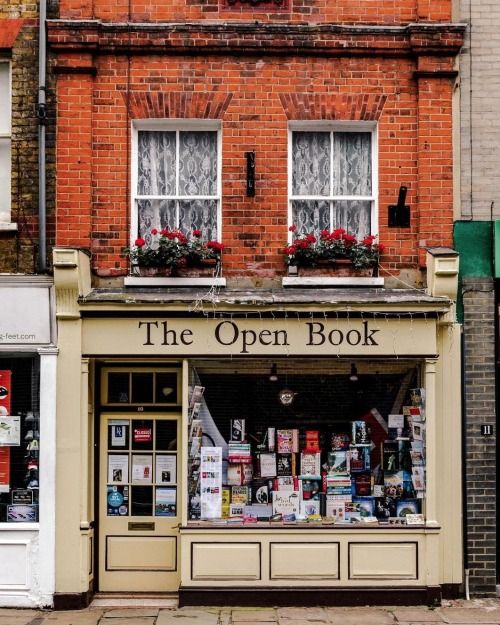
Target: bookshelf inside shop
(339, 453)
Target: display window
(19, 439)
(306, 442)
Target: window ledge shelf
(332, 281)
(6, 226)
(158, 281)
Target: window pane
(156, 163)
(5, 179)
(142, 501)
(199, 215)
(312, 216)
(198, 163)
(5, 105)
(311, 163)
(166, 388)
(118, 390)
(157, 214)
(142, 388)
(354, 216)
(352, 163)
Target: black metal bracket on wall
(250, 156)
(399, 214)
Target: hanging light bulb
(354, 373)
(273, 376)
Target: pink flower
(140, 242)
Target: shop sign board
(25, 316)
(322, 336)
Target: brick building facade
(479, 62)
(160, 113)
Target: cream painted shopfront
(305, 444)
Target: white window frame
(6, 198)
(177, 125)
(332, 127)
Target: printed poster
(5, 387)
(118, 433)
(142, 469)
(10, 431)
(117, 501)
(166, 502)
(4, 469)
(21, 514)
(166, 469)
(117, 468)
(211, 482)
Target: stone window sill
(6, 226)
(174, 282)
(332, 281)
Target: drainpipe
(41, 113)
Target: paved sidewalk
(460, 612)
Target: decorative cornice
(255, 38)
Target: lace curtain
(330, 165)
(191, 173)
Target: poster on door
(10, 431)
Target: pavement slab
(87, 617)
(315, 615)
(416, 615)
(16, 620)
(470, 615)
(265, 615)
(359, 616)
(130, 613)
(188, 616)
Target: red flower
(350, 239)
(338, 234)
(324, 234)
(369, 239)
(197, 233)
(164, 232)
(154, 231)
(290, 249)
(311, 238)
(140, 242)
(381, 247)
(292, 229)
(215, 245)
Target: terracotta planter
(341, 268)
(207, 269)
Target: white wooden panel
(236, 561)
(141, 553)
(383, 561)
(304, 560)
(16, 573)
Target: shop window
(5, 143)
(332, 180)
(176, 180)
(297, 444)
(19, 439)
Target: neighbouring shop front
(302, 444)
(27, 441)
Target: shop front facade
(28, 357)
(305, 445)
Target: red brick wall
(402, 79)
(335, 11)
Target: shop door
(139, 507)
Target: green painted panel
(473, 240)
